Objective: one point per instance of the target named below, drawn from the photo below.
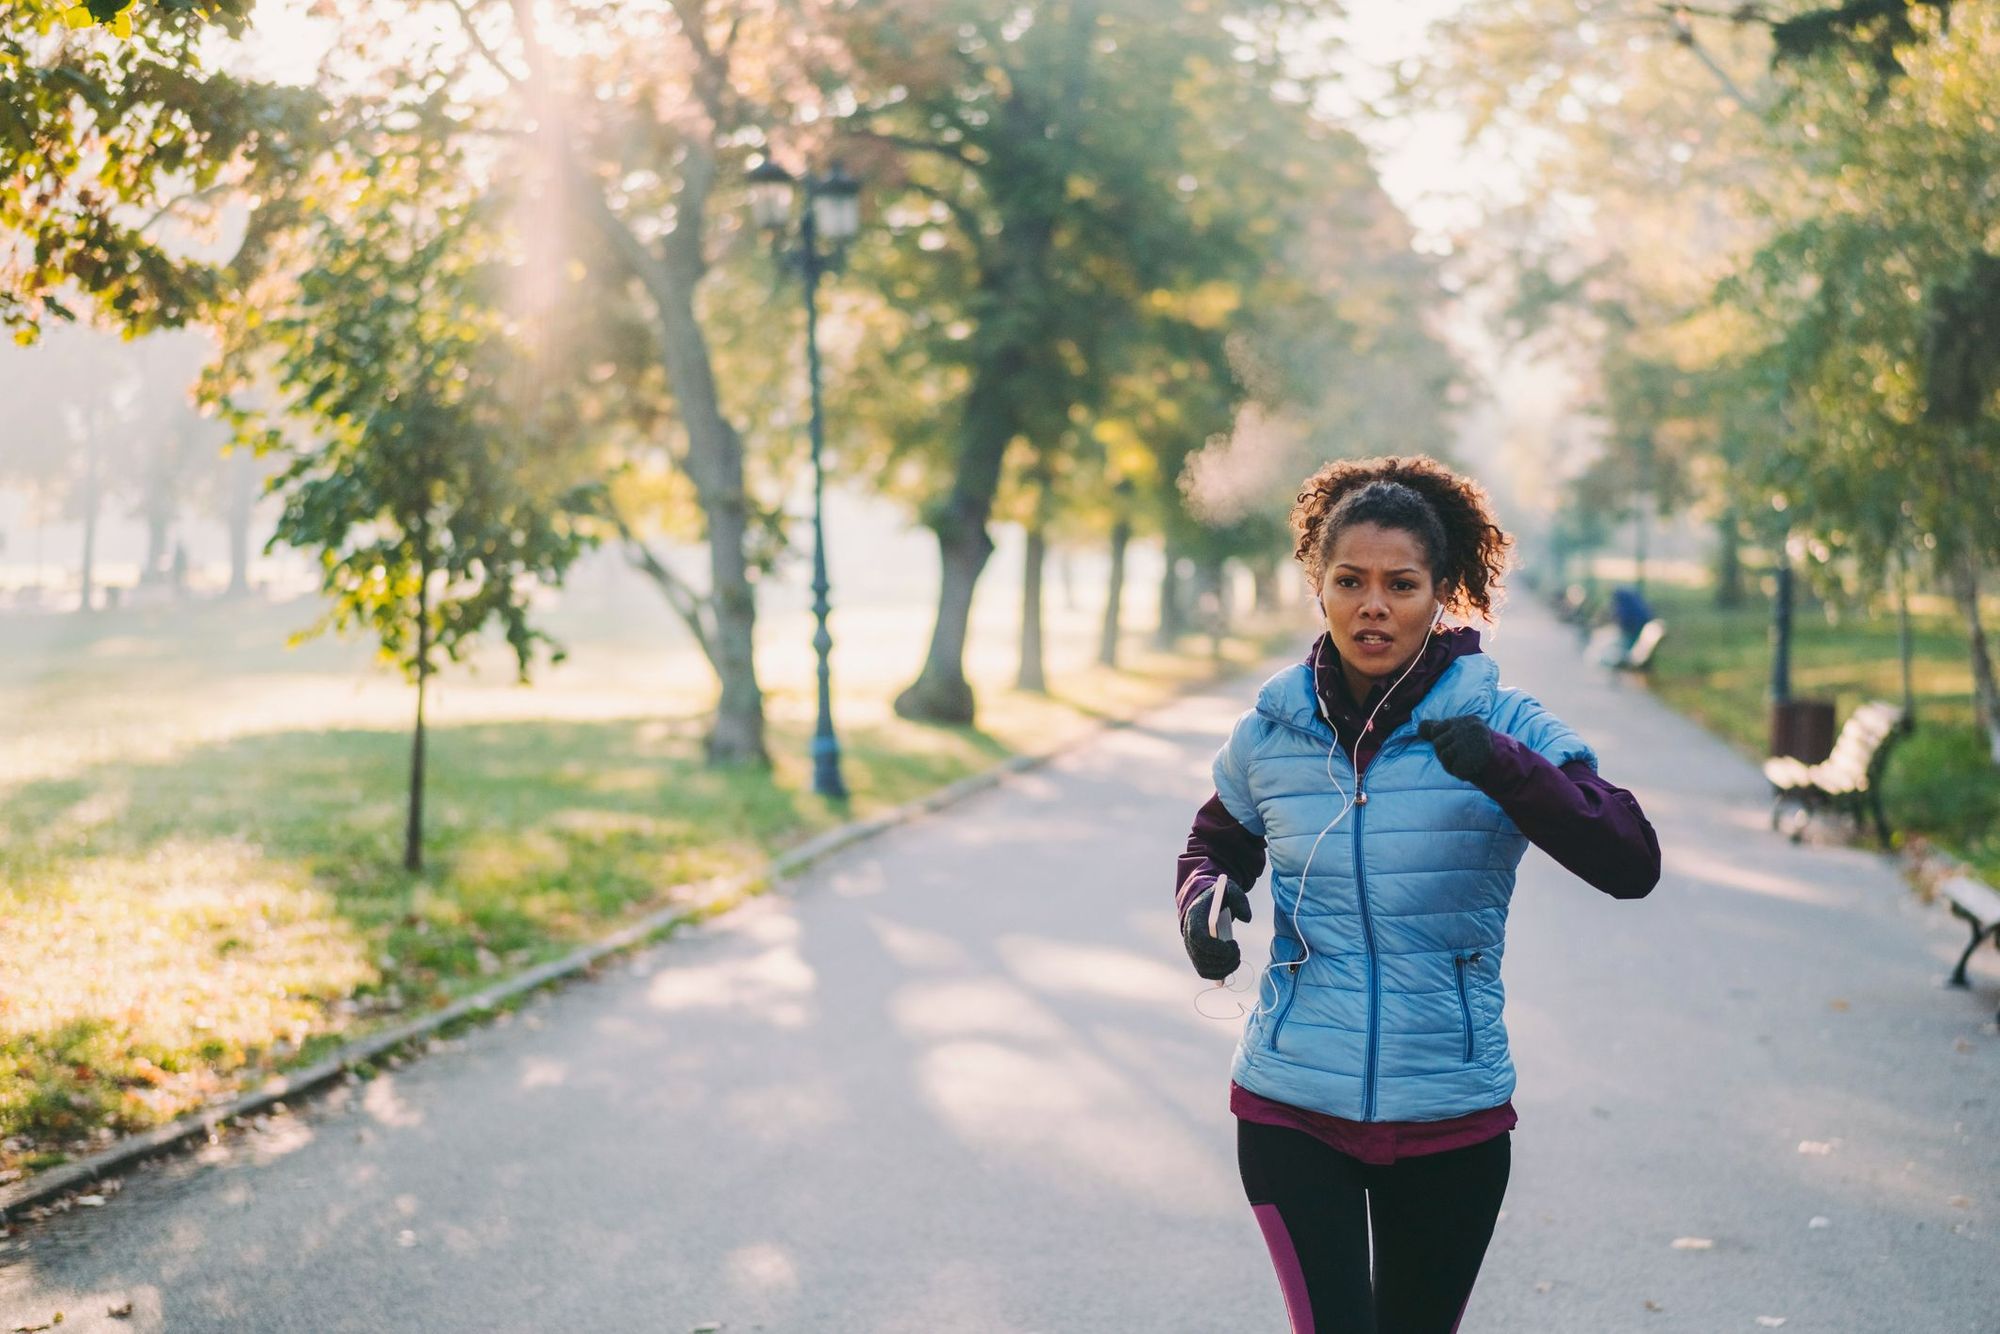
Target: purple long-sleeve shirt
(1590, 827)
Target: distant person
(1630, 611)
(1394, 784)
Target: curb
(720, 895)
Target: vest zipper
(1461, 962)
(1374, 963)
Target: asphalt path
(954, 1079)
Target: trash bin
(1802, 729)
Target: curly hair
(1449, 515)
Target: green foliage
(1941, 780)
(1109, 226)
(110, 139)
(1868, 291)
(1816, 354)
(421, 479)
(1871, 29)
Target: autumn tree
(1049, 151)
(416, 457)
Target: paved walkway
(955, 1081)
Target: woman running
(1394, 784)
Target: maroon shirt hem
(1378, 1143)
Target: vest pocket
(1461, 962)
(1287, 973)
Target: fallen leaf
(120, 1312)
(1770, 1321)
(1960, 1201)
(707, 1329)
(1817, 1147)
(1544, 1286)
(1820, 1222)
(1693, 1244)
(1961, 1046)
(1654, 1306)
(1836, 1004)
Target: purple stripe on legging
(1461, 1312)
(1285, 1256)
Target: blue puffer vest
(1391, 1008)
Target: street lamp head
(836, 203)
(770, 195)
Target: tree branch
(220, 187)
(1684, 34)
(531, 43)
(479, 44)
(952, 151)
(969, 222)
(694, 608)
(711, 82)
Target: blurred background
(425, 422)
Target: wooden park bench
(1640, 656)
(1979, 904)
(1605, 649)
(1848, 780)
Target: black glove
(1214, 959)
(1464, 745)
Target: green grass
(181, 916)
(1715, 666)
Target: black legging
(1431, 1215)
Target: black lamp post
(832, 213)
(1781, 629)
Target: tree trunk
(1213, 599)
(715, 450)
(1729, 590)
(1264, 584)
(92, 501)
(242, 509)
(1225, 596)
(941, 693)
(1013, 280)
(1985, 691)
(157, 520)
(1031, 675)
(1114, 595)
(1169, 631)
(1905, 640)
(413, 832)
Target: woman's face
(1379, 598)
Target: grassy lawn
(200, 833)
(1715, 666)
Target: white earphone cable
(1348, 803)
